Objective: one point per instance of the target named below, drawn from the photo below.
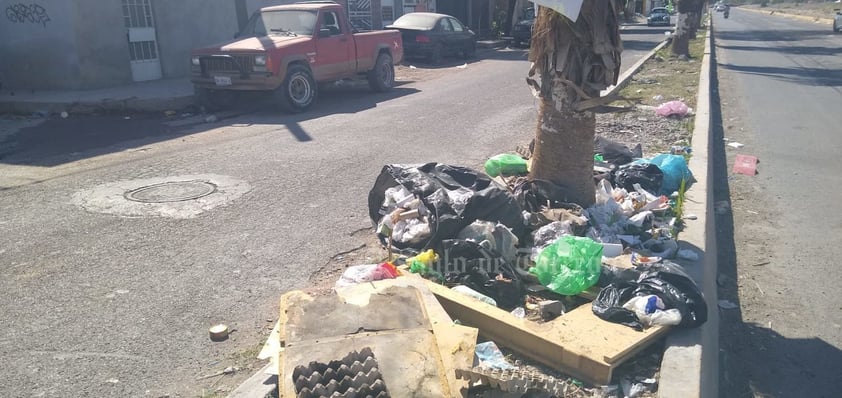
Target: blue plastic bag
(675, 169)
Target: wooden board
(577, 343)
(392, 322)
(456, 342)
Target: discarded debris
(464, 66)
(506, 165)
(672, 108)
(514, 381)
(64, 115)
(570, 265)
(667, 282)
(632, 390)
(475, 294)
(727, 305)
(745, 164)
(367, 273)
(412, 67)
(211, 119)
(489, 356)
(551, 309)
(735, 145)
(218, 332)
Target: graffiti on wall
(23, 13)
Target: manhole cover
(173, 191)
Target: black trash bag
(455, 196)
(608, 304)
(648, 175)
(676, 288)
(666, 280)
(533, 195)
(465, 262)
(614, 152)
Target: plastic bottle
(475, 294)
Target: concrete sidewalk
(158, 95)
(152, 96)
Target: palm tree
(572, 63)
(689, 20)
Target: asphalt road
(102, 299)
(780, 84)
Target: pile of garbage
(491, 238)
(499, 250)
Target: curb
(690, 365)
(118, 104)
(492, 44)
(791, 15)
(257, 386)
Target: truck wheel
(382, 76)
(298, 90)
(436, 55)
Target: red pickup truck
(287, 50)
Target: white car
(719, 7)
(837, 21)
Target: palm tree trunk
(572, 63)
(681, 38)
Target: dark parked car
(434, 36)
(658, 16)
(522, 32)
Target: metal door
(143, 48)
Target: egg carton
(515, 381)
(355, 375)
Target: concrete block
(551, 308)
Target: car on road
(522, 31)
(658, 16)
(288, 50)
(434, 36)
(837, 21)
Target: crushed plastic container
(475, 294)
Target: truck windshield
(283, 22)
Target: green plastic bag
(505, 164)
(569, 265)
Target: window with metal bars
(138, 13)
(142, 50)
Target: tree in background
(572, 63)
(689, 20)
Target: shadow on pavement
(58, 141)
(755, 360)
(809, 76)
(502, 54)
(771, 35)
(800, 50)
